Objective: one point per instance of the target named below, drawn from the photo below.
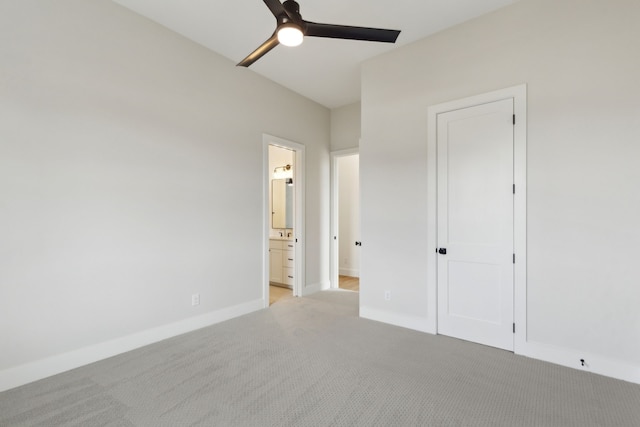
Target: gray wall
(345, 127)
(580, 62)
(131, 177)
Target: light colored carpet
(312, 362)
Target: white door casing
(299, 282)
(335, 223)
(516, 95)
(475, 223)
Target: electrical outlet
(195, 299)
(387, 295)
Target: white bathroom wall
(583, 206)
(278, 156)
(131, 177)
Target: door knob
(442, 251)
(358, 243)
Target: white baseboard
(315, 287)
(421, 324)
(592, 362)
(351, 272)
(29, 372)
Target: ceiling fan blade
(275, 7)
(351, 33)
(260, 51)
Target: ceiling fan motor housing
(292, 6)
(293, 14)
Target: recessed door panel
(474, 291)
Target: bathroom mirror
(281, 203)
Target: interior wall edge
(315, 287)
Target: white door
(475, 223)
(349, 215)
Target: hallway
(277, 293)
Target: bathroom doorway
(283, 272)
(345, 219)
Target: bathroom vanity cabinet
(281, 262)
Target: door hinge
(514, 189)
(514, 119)
(514, 258)
(514, 328)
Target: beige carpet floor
(312, 362)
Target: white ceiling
(324, 70)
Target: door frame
(334, 268)
(299, 214)
(519, 95)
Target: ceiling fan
(291, 28)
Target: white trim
(266, 172)
(410, 322)
(593, 362)
(520, 216)
(432, 222)
(315, 287)
(519, 96)
(334, 261)
(299, 221)
(351, 272)
(39, 369)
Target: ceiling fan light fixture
(290, 35)
(291, 29)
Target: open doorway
(283, 270)
(346, 220)
(281, 223)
